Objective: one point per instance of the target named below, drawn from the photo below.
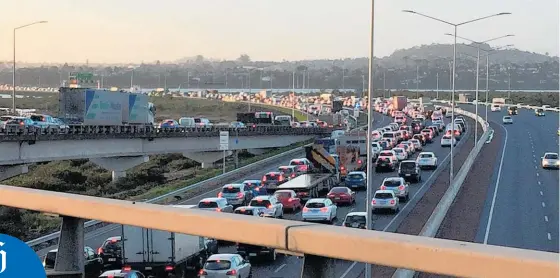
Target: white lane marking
(549, 237)
(537, 174)
(536, 167)
(546, 218)
(543, 204)
(487, 233)
(541, 193)
(280, 268)
(348, 270)
(534, 160)
(539, 182)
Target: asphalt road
(289, 266)
(521, 208)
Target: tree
(199, 59)
(244, 59)
(11, 222)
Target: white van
(187, 122)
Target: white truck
(161, 253)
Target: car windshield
(244, 211)
(207, 204)
(383, 196)
(231, 189)
(282, 195)
(551, 156)
(297, 162)
(398, 150)
(446, 137)
(355, 177)
(391, 183)
(339, 190)
(507, 118)
(425, 155)
(355, 219)
(385, 154)
(384, 160)
(408, 165)
(37, 118)
(5, 118)
(272, 176)
(285, 170)
(259, 203)
(217, 265)
(314, 205)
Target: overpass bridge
(309, 241)
(118, 148)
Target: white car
(394, 126)
(398, 185)
(400, 153)
(226, 265)
(495, 108)
(448, 140)
(237, 194)
(448, 114)
(400, 120)
(385, 199)
(355, 219)
(550, 160)
(271, 206)
(507, 120)
(391, 154)
(427, 160)
(319, 209)
(215, 204)
(376, 149)
(417, 144)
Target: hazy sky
(141, 30)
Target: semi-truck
(161, 253)
(102, 107)
(257, 118)
(399, 102)
(347, 155)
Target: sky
(132, 31)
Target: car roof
(184, 206)
(274, 172)
(247, 208)
(550, 153)
(265, 197)
(427, 153)
(286, 166)
(357, 213)
(233, 185)
(285, 191)
(251, 181)
(408, 161)
(222, 256)
(393, 179)
(356, 172)
(385, 191)
(212, 199)
(317, 200)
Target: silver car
(385, 199)
(215, 204)
(225, 266)
(271, 207)
(236, 194)
(507, 120)
(398, 185)
(550, 161)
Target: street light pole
(455, 25)
(384, 88)
(487, 77)
(14, 63)
(369, 172)
(437, 85)
(417, 81)
(294, 94)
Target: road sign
(357, 106)
(224, 140)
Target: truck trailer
(102, 107)
(161, 253)
(399, 102)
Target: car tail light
(239, 195)
(280, 178)
(21, 123)
(342, 168)
(269, 206)
(220, 195)
(291, 200)
(305, 209)
(264, 179)
(360, 161)
(218, 209)
(383, 187)
(456, 132)
(202, 272)
(99, 251)
(293, 175)
(373, 202)
(169, 268)
(232, 272)
(127, 268)
(330, 195)
(392, 202)
(254, 125)
(324, 209)
(401, 187)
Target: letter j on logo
(17, 259)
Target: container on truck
(399, 103)
(161, 253)
(498, 100)
(102, 107)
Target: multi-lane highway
(290, 266)
(521, 207)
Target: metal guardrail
(461, 259)
(245, 168)
(506, 105)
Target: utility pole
(437, 85)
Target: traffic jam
(325, 186)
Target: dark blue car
(256, 187)
(356, 180)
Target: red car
(288, 199)
(342, 195)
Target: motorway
(521, 207)
(290, 266)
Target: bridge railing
(423, 254)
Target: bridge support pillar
(70, 255)
(206, 159)
(7, 172)
(257, 151)
(317, 266)
(119, 165)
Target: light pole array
(14, 62)
(478, 44)
(369, 164)
(455, 25)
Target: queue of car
(34, 120)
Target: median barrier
(433, 224)
(240, 172)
